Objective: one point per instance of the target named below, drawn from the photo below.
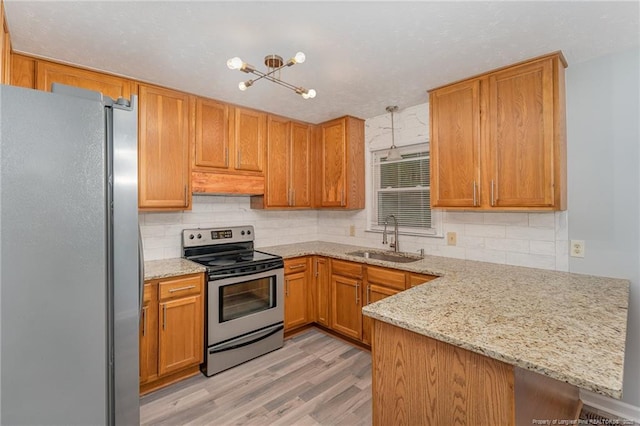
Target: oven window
(246, 298)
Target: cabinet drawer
(386, 277)
(417, 279)
(183, 286)
(348, 269)
(295, 265)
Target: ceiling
(361, 56)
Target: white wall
(604, 185)
(536, 240)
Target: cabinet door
(212, 134)
(521, 167)
(48, 73)
(277, 192)
(23, 71)
(455, 145)
(180, 342)
(164, 176)
(5, 50)
(149, 333)
(323, 291)
(332, 160)
(249, 137)
(295, 303)
(346, 306)
(300, 179)
(373, 293)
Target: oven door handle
(247, 340)
(213, 276)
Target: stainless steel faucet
(394, 245)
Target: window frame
(372, 226)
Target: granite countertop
(569, 327)
(164, 268)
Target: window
(402, 188)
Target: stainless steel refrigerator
(70, 258)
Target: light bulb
(235, 63)
(305, 95)
(300, 57)
(311, 93)
(242, 86)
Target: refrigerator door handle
(140, 270)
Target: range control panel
(211, 236)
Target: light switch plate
(452, 239)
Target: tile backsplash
(162, 232)
(538, 240)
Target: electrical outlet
(352, 231)
(451, 239)
(577, 248)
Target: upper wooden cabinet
(498, 141)
(229, 149)
(163, 155)
(23, 71)
(48, 73)
(288, 170)
(248, 135)
(340, 175)
(455, 158)
(5, 49)
(211, 135)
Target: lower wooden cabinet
(171, 330)
(323, 291)
(149, 333)
(414, 279)
(296, 284)
(346, 298)
(331, 293)
(380, 283)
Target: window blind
(402, 188)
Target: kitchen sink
(387, 256)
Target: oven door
(243, 304)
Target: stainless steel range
(245, 295)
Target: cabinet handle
(342, 197)
(475, 199)
(493, 200)
(164, 316)
(226, 156)
(286, 288)
(368, 291)
(239, 160)
(186, 193)
(189, 287)
(357, 292)
(301, 265)
(293, 198)
(144, 321)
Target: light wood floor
(315, 379)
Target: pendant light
(394, 153)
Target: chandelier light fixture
(393, 154)
(274, 64)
